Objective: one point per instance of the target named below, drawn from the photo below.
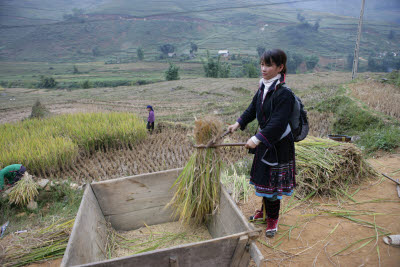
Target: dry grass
(328, 167)
(148, 238)
(24, 191)
(38, 245)
(320, 123)
(197, 188)
(384, 98)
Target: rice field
(386, 101)
(44, 146)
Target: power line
(156, 15)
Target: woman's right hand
(233, 127)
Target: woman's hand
(233, 127)
(250, 144)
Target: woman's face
(148, 109)
(270, 71)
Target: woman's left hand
(250, 144)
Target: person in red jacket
(273, 169)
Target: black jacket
(273, 117)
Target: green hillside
(115, 29)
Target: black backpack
(298, 120)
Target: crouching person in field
(10, 175)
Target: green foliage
(214, 68)
(394, 78)
(293, 61)
(251, 71)
(211, 66)
(224, 70)
(350, 117)
(387, 63)
(172, 73)
(349, 61)
(374, 65)
(140, 53)
(86, 84)
(385, 138)
(167, 48)
(311, 62)
(46, 82)
(193, 48)
(260, 50)
(39, 111)
(75, 70)
(96, 51)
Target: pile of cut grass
(148, 238)
(40, 245)
(198, 186)
(327, 167)
(45, 145)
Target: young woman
(273, 169)
(150, 119)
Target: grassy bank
(46, 145)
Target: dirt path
(316, 236)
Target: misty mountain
(99, 30)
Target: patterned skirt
(274, 181)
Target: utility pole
(357, 48)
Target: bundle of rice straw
(198, 186)
(39, 245)
(24, 191)
(326, 167)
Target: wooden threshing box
(130, 201)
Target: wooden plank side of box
(228, 219)
(128, 202)
(89, 234)
(216, 252)
(127, 194)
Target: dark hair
(276, 56)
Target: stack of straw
(24, 191)
(198, 186)
(327, 167)
(44, 244)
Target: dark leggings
(272, 207)
(150, 126)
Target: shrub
(250, 70)
(39, 111)
(293, 61)
(140, 53)
(46, 82)
(172, 73)
(214, 68)
(86, 84)
(75, 70)
(224, 70)
(385, 138)
(311, 62)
